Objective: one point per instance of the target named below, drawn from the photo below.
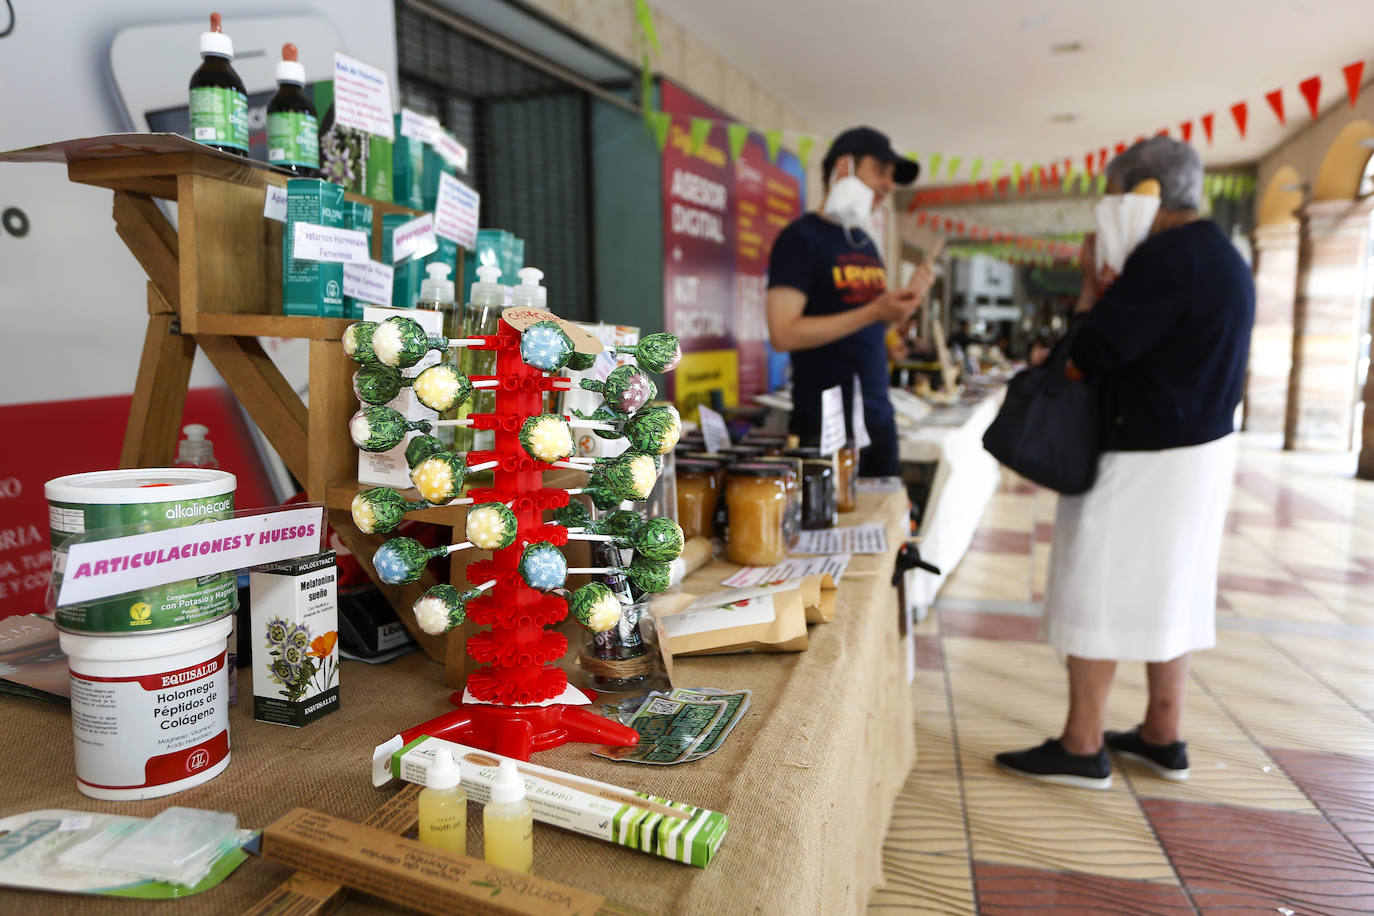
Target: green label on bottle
(293, 138)
(219, 117)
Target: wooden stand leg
(164, 372)
(269, 399)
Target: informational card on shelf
(369, 281)
(456, 211)
(414, 239)
(274, 203)
(362, 97)
(454, 152)
(871, 538)
(327, 243)
(713, 429)
(789, 569)
(418, 127)
(832, 420)
(856, 412)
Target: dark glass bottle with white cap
(219, 103)
(293, 131)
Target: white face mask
(1123, 222)
(850, 201)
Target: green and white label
(219, 116)
(293, 138)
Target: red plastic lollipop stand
(518, 652)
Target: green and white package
(311, 287)
(293, 138)
(357, 216)
(659, 826)
(219, 115)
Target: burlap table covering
(808, 777)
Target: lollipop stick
(467, 342)
(593, 570)
(593, 424)
(485, 585)
(454, 548)
(484, 466)
(487, 383)
(572, 467)
(579, 536)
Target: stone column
(1271, 341)
(1330, 301)
(1365, 469)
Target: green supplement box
(405, 281)
(359, 160)
(408, 168)
(357, 216)
(311, 287)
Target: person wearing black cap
(829, 304)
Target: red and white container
(150, 713)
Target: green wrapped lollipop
(442, 387)
(648, 576)
(380, 429)
(659, 540)
(380, 509)
(581, 362)
(573, 515)
(357, 342)
(602, 496)
(491, 526)
(442, 608)
(546, 437)
(401, 561)
(595, 607)
(543, 567)
(376, 384)
(544, 345)
(626, 389)
(421, 447)
(659, 352)
(439, 478)
(629, 476)
(603, 414)
(654, 430)
(401, 342)
(621, 523)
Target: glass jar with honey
(756, 495)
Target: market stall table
(808, 778)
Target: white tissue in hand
(1123, 222)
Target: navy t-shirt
(815, 256)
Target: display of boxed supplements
(295, 636)
(311, 287)
(357, 216)
(407, 274)
(408, 167)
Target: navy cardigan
(1169, 341)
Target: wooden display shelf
(214, 284)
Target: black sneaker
(1051, 763)
(1167, 760)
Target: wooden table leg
(164, 372)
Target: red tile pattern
(1248, 860)
(1000, 541)
(1341, 785)
(985, 625)
(1289, 506)
(1326, 574)
(1013, 890)
(1260, 585)
(929, 655)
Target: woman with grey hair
(1133, 570)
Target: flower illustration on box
(322, 648)
(293, 664)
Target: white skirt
(1133, 571)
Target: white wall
(72, 298)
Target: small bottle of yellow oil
(508, 821)
(444, 806)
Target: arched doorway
(1275, 245)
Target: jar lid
(750, 439)
(757, 470)
(744, 451)
(696, 464)
(820, 464)
(806, 451)
(710, 456)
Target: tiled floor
(1278, 815)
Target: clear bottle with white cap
(508, 822)
(481, 317)
(528, 293)
(219, 103)
(436, 294)
(443, 804)
(195, 451)
(293, 131)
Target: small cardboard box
(295, 636)
(357, 216)
(311, 287)
(412, 874)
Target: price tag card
(369, 281)
(324, 243)
(455, 153)
(456, 211)
(418, 127)
(713, 429)
(832, 420)
(274, 204)
(362, 97)
(861, 439)
(414, 239)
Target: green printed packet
(736, 705)
(669, 730)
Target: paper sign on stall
(713, 429)
(791, 568)
(871, 538)
(274, 204)
(414, 239)
(832, 420)
(369, 281)
(362, 97)
(456, 211)
(455, 153)
(419, 127)
(327, 243)
(856, 402)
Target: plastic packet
(89, 853)
(179, 845)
